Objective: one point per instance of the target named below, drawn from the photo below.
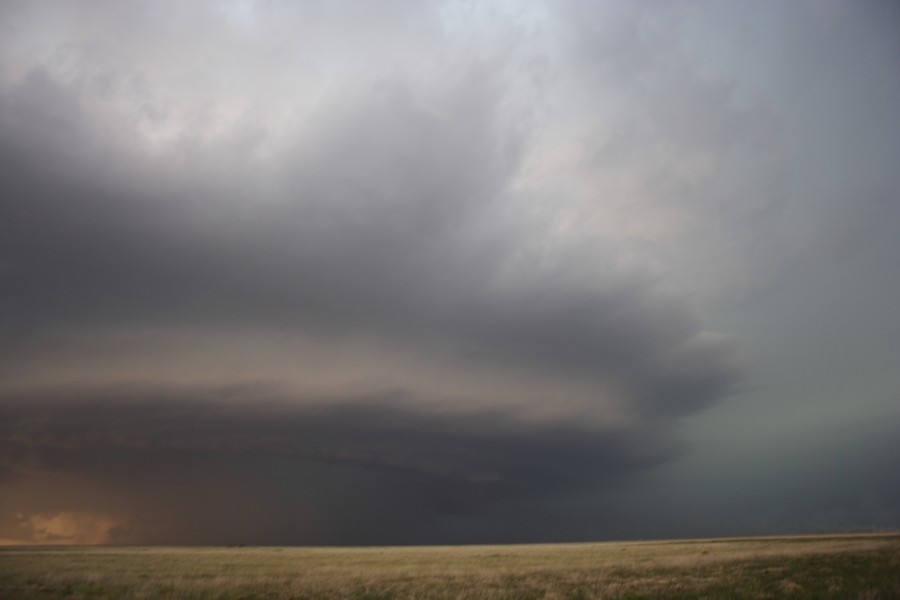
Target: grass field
(865, 566)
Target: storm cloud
(402, 268)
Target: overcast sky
(356, 272)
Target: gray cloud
(439, 464)
(389, 216)
(462, 263)
(397, 226)
(492, 449)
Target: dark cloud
(421, 273)
(393, 228)
(491, 448)
(440, 464)
(529, 364)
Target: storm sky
(411, 272)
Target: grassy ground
(841, 566)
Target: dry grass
(840, 566)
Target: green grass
(864, 567)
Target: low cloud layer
(439, 464)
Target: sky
(442, 272)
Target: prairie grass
(864, 567)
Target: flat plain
(854, 566)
